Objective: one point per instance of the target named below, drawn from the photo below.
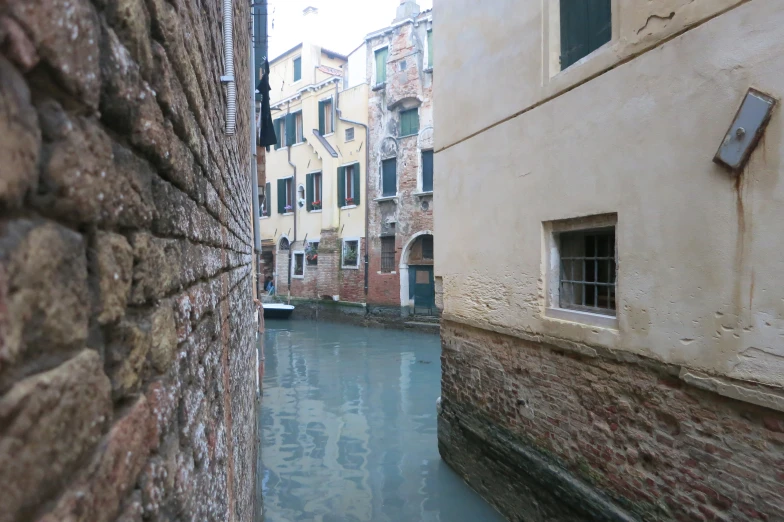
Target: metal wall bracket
(746, 130)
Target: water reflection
(349, 428)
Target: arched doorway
(417, 282)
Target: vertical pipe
(228, 49)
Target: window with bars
(387, 254)
(350, 134)
(588, 270)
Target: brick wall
(127, 386)
(550, 422)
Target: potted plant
(349, 201)
(287, 209)
(350, 256)
(316, 205)
(311, 253)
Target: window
(427, 171)
(284, 244)
(403, 65)
(264, 201)
(297, 69)
(348, 185)
(311, 253)
(350, 134)
(298, 135)
(381, 65)
(326, 117)
(313, 188)
(387, 254)
(299, 264)
(588, 263)
(586, 25)
(430, 48)
(350, 253)
(389, 177)
(409, 122)
(285, 195)
(427, 247)
(280, 132)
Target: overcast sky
(345, 22)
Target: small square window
(350, 134)
(311, 253)
(299, 264)
(587, 274)
(387, 254)
(350, 253)
(403, 65)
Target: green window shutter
(278, 133)
(430, 48)
(309, 192)
(321, 117)
(291, 130)
(586, 25)
(389, 177)
(409, 122)
(427, 170)
(297, 69)
(357, 192)
(381, 65)
(267, 199)
(281, 196)
(341, 186)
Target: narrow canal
(348, 422)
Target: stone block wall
(127, 384)
(548, 434)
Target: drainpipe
(254, 185)
(293, 199)
(228, 78)
(367, 178)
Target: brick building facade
(127, 354)
(399, 70)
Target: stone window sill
(408, 136)
(348, 207)
(424, 193)
(428, 69)
(315, 211)
(349, 267)
(576, 316)
(386, 198)
(288, 214)
(379, 86)
(387, 273)
(264, 217)
(299, 143)
(298, 277)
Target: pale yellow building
(613, 322)
(314, 209)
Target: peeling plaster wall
(127, 353)
(410, 213)
(699, 252)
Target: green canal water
(348, 426)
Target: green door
(423, 289)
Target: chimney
(407, 9)
(311, 26)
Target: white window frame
(294, 255)
(343, 251)
(293, 195)
(428, 65)
(345, 184)
(299, 132)
(373, 57)
(321, 190)
(552, 265)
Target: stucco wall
(699, 266)
(127, 354)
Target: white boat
(277, 310)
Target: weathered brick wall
(127, 361)
(352, 282)
(411, 213)
(650, 443)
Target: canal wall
(600, 435)
(126, 323)
(361, 314)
